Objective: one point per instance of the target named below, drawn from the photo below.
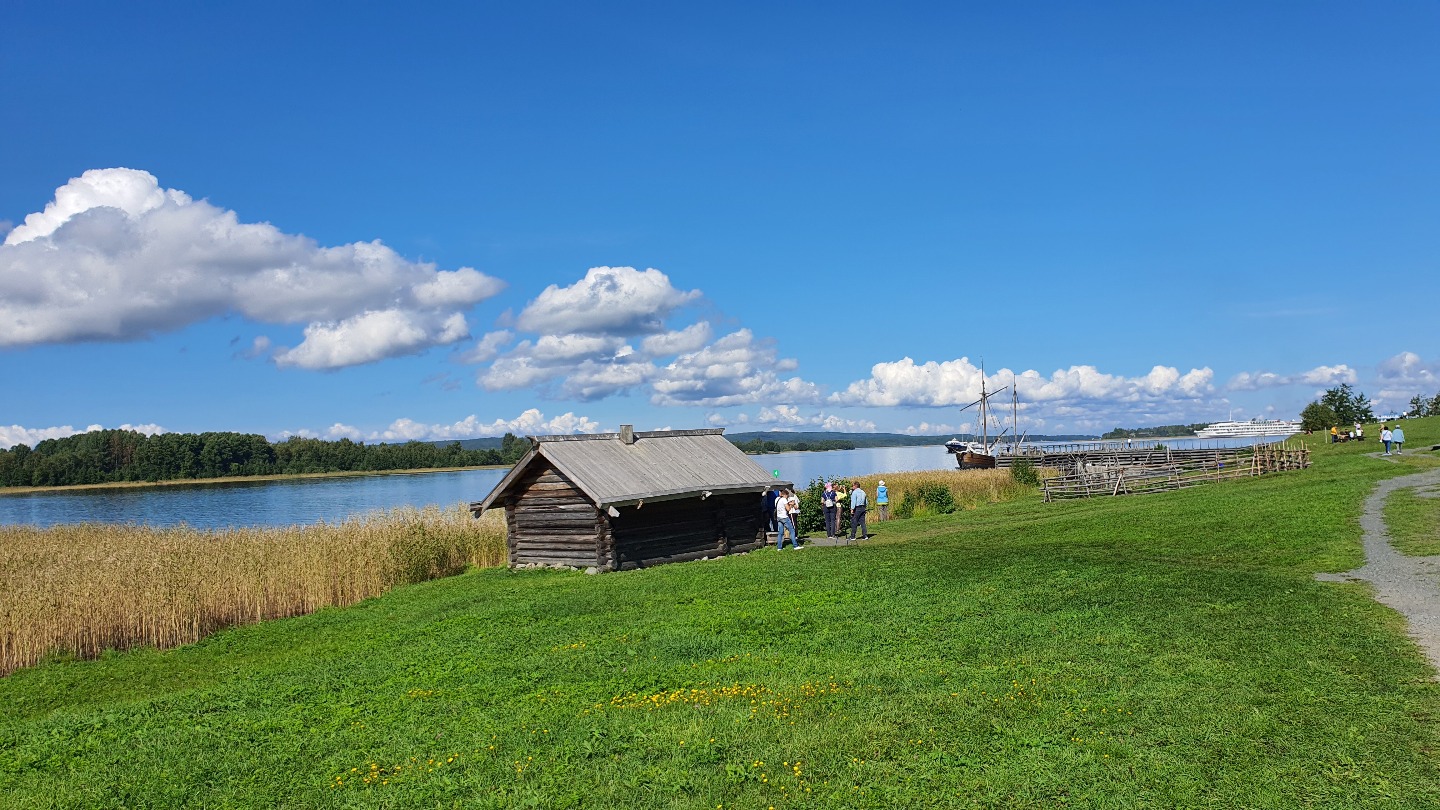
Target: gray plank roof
(658, 465)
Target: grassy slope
(1413, 522)
(1171, 650)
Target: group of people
(1355, 435)
(1393, 438)
(1390, 437)
(783, 511)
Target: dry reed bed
(82, 589)
(971, 488)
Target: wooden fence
(1114, 474)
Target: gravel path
(1410, 585)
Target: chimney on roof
(627, 434)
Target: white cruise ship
(1254, 427)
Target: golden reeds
(971, 488)
(85, 588)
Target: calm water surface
(312, 500)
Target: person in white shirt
(785, 524)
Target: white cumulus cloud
(372, 336)
(957, 383)
(117, 257)
(737, 369)
(609, 300)
(529, 423)
(1407, 368)
(789, 416)
(1320, 375)
(486, 348)
(15, 434)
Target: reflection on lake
(311, 500)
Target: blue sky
(435, 222)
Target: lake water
(311, 500)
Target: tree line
(1421, 406)
(1160, 431)
(106, 456)
(756, 446)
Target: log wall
(684, 529)
(548, 520)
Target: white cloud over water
(116, 257)
(956, 383)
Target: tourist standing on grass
(831, 505)
(857, 514)
(782, 519)
(1334, 434)
(1386, 436)
(882, 501)
(770, 497)
(1398, 437)
(792, 505)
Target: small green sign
(775, 473)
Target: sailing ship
(973, 455)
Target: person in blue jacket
(882, 501)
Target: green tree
(1317, 417)
(1348, 404)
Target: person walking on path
(831, 506)
(882, 501)
(782, 519)
(1386, 436)
(857, 514)
(1398, 437)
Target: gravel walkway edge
(1409, 585)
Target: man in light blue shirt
(857, 514)
(1398, 437)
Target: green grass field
(1168, 650)
(1413, 522)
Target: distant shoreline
(234, 479)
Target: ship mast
(984, 413)
(1014, 412)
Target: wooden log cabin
(618, 501)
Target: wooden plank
(556, 514)
(563, 487)
(533, 502)
(557, 536)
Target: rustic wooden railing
(1113, 474)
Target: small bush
(927, 498)
(1023, 471)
